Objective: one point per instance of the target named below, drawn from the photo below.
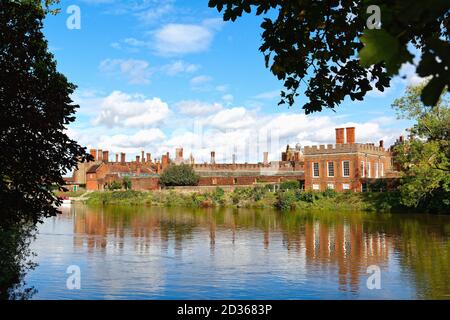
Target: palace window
(214, 181)
(330, 186)
(382, 169)
(235, 181)
(346, 168)
(345, 186)
(331, 169)
(316, 187)
(363, 169)
(369, 175)
(376, 170)
(315, 169)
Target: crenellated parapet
(345, 148)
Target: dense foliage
(35, 110)
(326, 47)
(179, 175)
(424, 158)
(35, 149)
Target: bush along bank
(287, 198)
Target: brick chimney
(143, 156)
(179, 154)
(106, 155)
(213, 157)
(339, 135)
(122, 157)
(99, 155)
(138, 159)
(381, 144)
(265, 158)
(117, 157)
(350, 135)
(149, 157)
(164, 161)
(93, 153)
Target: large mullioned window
(331, 169)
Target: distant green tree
(424, 157)
(326, 47)
(179, 175)
(115, 185)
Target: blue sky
(161, 74)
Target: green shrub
(179, 175)
(285, 200)
(218, 195)
(115, 185)
(305, 196)
(126, 182)
(290, 185)
(329, 193)
(258, 193)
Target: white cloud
(179, 66)
(228, 98)
(197, 108)
(200, 80)
(124, 110)
(178, 39)
(234, 118)
(136, 71)
(136, 141)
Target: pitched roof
(93, 169)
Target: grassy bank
(252, 197)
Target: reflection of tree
(425, 250)
(14, 260)
(343, 243)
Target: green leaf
(380, 46)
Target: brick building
(346, 165)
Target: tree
(325, 45)
(126, 183)
(424, 158)
(36, 109)
(179, 175)
(35, 150)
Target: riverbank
(251, 197)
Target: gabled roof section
(93, 169)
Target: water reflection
(131, 252)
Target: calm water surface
(160, 253)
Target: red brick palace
(346, 165)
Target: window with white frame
(376, 170)
(363, 168)
(316, 187)
(330, 186)
(331, 169)
(345, 186)
(315, 170)
(368, 170)
(346, 168)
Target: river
(175, 253)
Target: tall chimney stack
(339, 135)
(122, 157)
(117, 157)
(213, 157)
(99, 155)
(93, 153)
(350, 135)
(143, 156)
(149, 157)
(265, 158)
(106, 155)
(138, 158)
(381, 144)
